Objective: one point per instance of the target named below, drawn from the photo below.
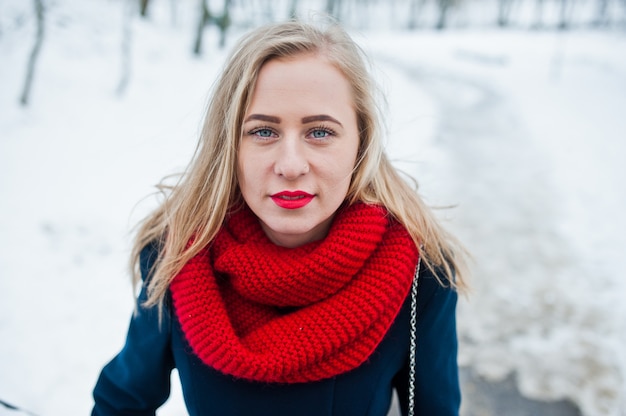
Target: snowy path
(530, 312)
(483, 140)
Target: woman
(280, 275)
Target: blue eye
(320, 134)
(263, 133)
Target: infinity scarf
(261, 312)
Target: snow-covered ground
(523, 131)
(530, 143)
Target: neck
(293, 240)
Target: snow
(522, 131)
(533, 145)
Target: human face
(298, 148)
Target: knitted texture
(258, 311)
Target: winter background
(516, 131)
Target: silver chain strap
(413, 339)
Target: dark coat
(137, 381)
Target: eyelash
(255, 130)
(325, 129)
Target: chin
(294, 236)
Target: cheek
(250, 176)
(337, 171)
(243, 174)
(245, 179)
(345, 160)
(244, 157)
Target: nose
(291, 160)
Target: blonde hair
(195, 208)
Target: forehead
(301, 77)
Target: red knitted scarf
(261, 312)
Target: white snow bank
(532, 128)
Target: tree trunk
(444, 5)
(564, 21)
(223, 23)
(205, 15)
(504, 12)
(143, 7)
(601, 15)
(332, 8)
(34, 54)
(293, 9)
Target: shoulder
(147, 259)
(432, 293)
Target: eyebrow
(263, 117)
(305, 120)
(320, 117)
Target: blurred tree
(415, 10)
(223, 22)
(565, 13)
(143, 7)
(538, 14)
(293, 9)
(205, 17)
(332, 8)
(34, 53)
(444, 7)
(504, 12)
(601, 18)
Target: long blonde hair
(195, 208)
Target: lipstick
(292, 199)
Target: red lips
(292, 199)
